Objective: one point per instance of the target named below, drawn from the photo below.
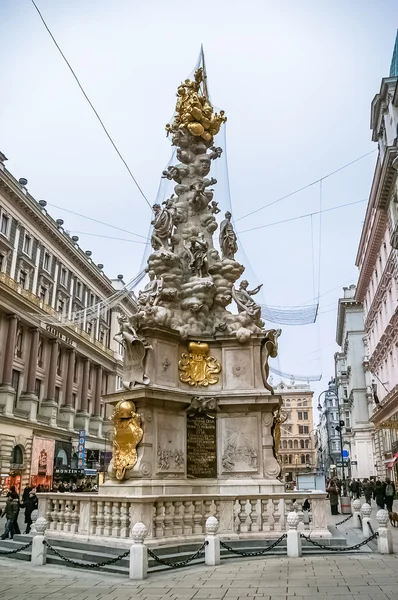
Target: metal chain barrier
(370, 527)
(344, 520)
(9, 552)
(81, 565)
(257, 552)
(183, 563)
(329, 549)
(360, 520)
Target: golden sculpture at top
(194, 111)
(127, 434)
(197, 368)
(279, 418)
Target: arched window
(302, 444)
(17, 455)
(302, 459)
(62, 458)
(284, 444)
(295, 444)
(307, 444)
(290, 459)
(307, 459)
(285, 458)
(304, 402)
(290, 444)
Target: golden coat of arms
(127, 435)
(198, 368)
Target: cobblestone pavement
(353, 577)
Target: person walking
(389, 494)
(31, 504)
(25, 495)
(367, 491)
(379, 494)
(10, 511)
(333, 498)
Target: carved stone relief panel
(239, 444)
(238, 373)
(167, 363)
(170, 443)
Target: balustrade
(183, 517)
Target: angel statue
(228, 238)
(245, 302)
(279, 418)
(135, 351)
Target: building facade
(297, 451)
(329, 447)
(353, 382)
(57, 352)
(377, 285)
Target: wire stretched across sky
(91, 104)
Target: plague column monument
(197, 414)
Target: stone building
(297, 448)
(353, 381)
(377, 285)
(57, 353)
(329, 452)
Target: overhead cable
(91, 104)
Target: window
(57, 397)
(46, 261)
(40, 353)
(304, 402)
(18, 342)
(37, 387)
(74, 401)
(290, 459)
(308, 459)
(75, 370)
(15, 381)
(302, 444)
(59, 363)
(62, 277)
(302, 458)
(27, 244)
(22, 279)
(347, 419)
(284, 444)
(102, 336)
(92, 299)
(295, 444)
(307, 444)
(306, 429)
(78, 290)
(301, 429)
(43, 293)
(2, 262)
(5, 221)
(290, 444)
(17, 456)
(89, 328)
(300, 415)
(60, 305)
(305, 416)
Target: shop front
(41, 471)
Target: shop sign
(54, 331)
(81, 463)
(388, 425)
(68, 471)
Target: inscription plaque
(201, 446)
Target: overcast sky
(295, 78)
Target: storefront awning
(392, 462)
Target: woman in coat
(378, 494)
(31, 504)
(333, 498)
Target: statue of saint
(198, 249)
(150, 294)
(228, 244)
(163, 224)
(244, 300)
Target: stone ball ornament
(366, 509)
(382, 517)
(139, 532)
(41, 525)
(293, 520)
(356, 505)
(211, 525)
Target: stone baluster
(168, 519)
(299, 510)
(93, 517)
(177, 518)
(54, 513)
(187, 517)
(107, 519)
(288, 507)
(61, 515)
(217, 504)
(277, 515)
(68, 517)
(243, 517)
(197, 517)
(49, 511)
(265, 525)
(75, 517)
(124, 520)
(159, 520)
(115, 519)
(254, 515)
(99, 530)
(207, 508)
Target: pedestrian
(31, 504)
(10, 512)
(379, 494)
(389, 494)
(25, 494)
(333, 498)
(354, 489)
(367, 491)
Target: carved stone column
(69, 378)
(98, 392)
(82, 419)
(9, 350)
(49, 407)
(7, 393)
(32, 365)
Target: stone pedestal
(67, 416)
(29, 402)
(49, 409)
(7, 399)
(82, 420)
(234, 419)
